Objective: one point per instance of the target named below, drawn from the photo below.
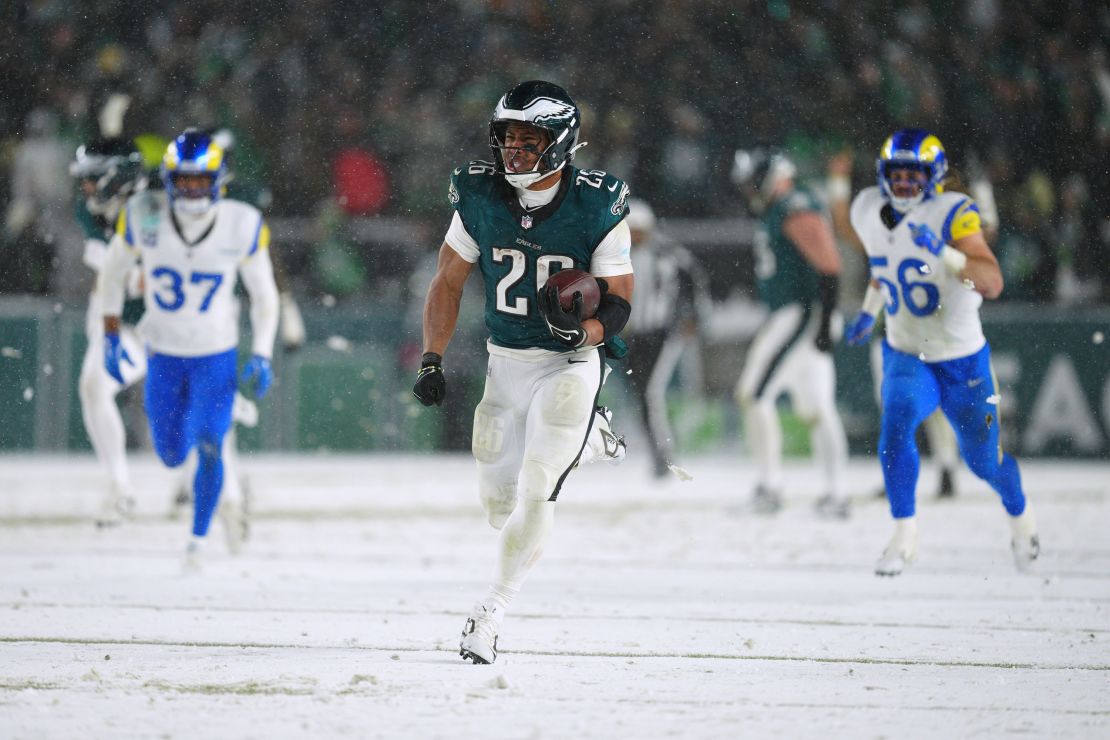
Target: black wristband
(826, 292)
(613, 314)
(431, 358)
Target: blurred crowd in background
(343, 109)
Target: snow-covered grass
(658, 610)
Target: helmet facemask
(895, 185)
(190, 196)
(123, 178)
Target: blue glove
(258, 370)
(859, 331)
(114, 354)
(926, 238)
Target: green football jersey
(519, 249)
(92, 227)
(782, 273)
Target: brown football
(570, 281)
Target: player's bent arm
(112, 281)
(813, 238)
(257, 273)
(441, 306)
(620, 286)
(982, 266)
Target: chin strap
(521, 180)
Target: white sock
(764, 431)
(830, 448)
(104, 423)
(522, 541)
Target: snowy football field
(657, 610)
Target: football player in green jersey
(520, 218)
(797, 267)
(107, 172)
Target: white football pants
(783, 359)
(529, 431)
(98, 390)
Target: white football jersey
(930, 312)
(189, 289)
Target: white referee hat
(640, 216)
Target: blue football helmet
(913, 149)
(194, 153)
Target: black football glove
(431, 386)
(827, 286)
(823, 340)
(565, 326)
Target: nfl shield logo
(526, 222)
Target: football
(570, 281)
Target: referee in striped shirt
(671, 296)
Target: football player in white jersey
(943, 449)
(193, 245)
(930, 270)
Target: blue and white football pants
(966, 391)
(188, 404)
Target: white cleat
(116, 506)
(615, 448)
(1025, 542)
(902, 549)
(182, 501)
(192, 562)
(832, 507)
(602, 443)
(479, 635)
(233, 517)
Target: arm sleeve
(459, 239)
(613, 254)
(112, 280)
(257, 273)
